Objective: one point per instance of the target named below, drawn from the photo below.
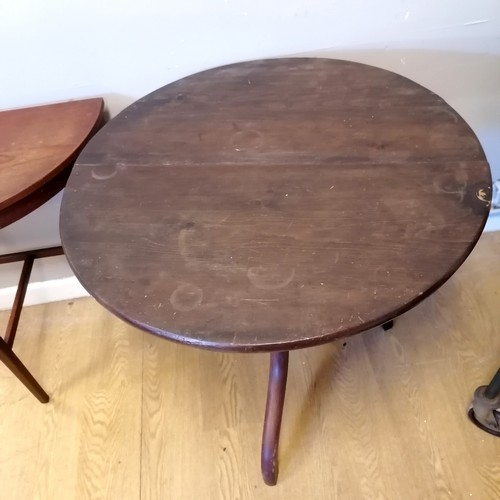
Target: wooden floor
(382, 415)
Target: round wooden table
(274, 205)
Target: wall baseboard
(42, 292)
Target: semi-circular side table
(274, 205)
(38, 146)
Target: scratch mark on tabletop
(154, 242)
(261, 301)
(224, 219)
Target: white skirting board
(69, 288)
(42, 292)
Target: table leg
(278, 370)
(21, 372)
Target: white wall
(122, 49)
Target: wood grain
(275, 204)
(383, 416)
(38, 145)
(85, 443)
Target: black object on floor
(485, 409)
(388, 325)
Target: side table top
(38, 143)
(275, 204)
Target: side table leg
(21, 372)
(278, 371)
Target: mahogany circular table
(274, 205)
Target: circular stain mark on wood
(270, 277)
(247, 139)
(186, 297)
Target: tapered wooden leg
(278, 372)
(15, 365)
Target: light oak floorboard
(85, 443)
(381, 415)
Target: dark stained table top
(275, 204)
(37, 144)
